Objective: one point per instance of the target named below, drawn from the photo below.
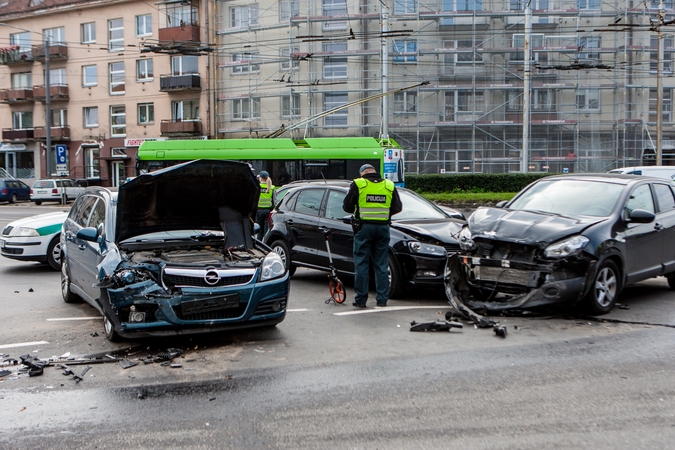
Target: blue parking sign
(60, 153)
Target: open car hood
(438, 230)
(185, 197)
(528, 227)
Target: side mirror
(256, 228)
(348, 219)
(501, 204)
(641, 216)
(89, 234)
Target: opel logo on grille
(211, 277)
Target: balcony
(12, 55)
(58, 92)
(175, 128)
(57, 133)
(186, 33)
(170, 83)
(24, 95)
(10, 134)
(56, 51)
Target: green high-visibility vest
(265, 200)
(374, 199)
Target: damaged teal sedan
(172, 253)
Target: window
(146, 113)
(405, 102)
(588, 99)
(335, 66)
(288, 9)
(641, 198)
(118, 120)
(462, 102)
(405, 6)
(519, 42)
(543, 99)
(335, 8)
(56, 36)
(59, 118)
(309, 202)
(664, 197)
(334, 205)
(23, 41)
(115, 35)
(405, 51)
(668, 42)
(22, 120)
(57, 77)
(144, 25)
(246, 62)
(117, 86)
(144, 70)
(98, 214)
(22, 80)
(333, 100)
(519, 5)
(290, 105)
(245, 108)
(185, 110)
(586, 46)
(589, 4)
(88, 32)
(89, 76)
(666, 105)
(462, 5)
(90, 116)
(287, 60)
(668, 4)
(179, 14)
(465, 52)
(243, 16)
(184, 65)
(92, 165)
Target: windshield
(570, 197)
(416, 207)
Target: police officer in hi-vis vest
(264, 202)
(372, 200)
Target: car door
(643, 240)
(665, 199)
(303, 225)
(24, 191)
(77, 219)
(341, 239)
(90, 256)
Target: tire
(66, 293)
(671, 281)
(109, 330)
(605, 288)
(396, 288)
(54, 253)
(38, 202)
(13, 199)
(281, 248)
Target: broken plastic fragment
(125, 363)
(437, 325)
(500, 330)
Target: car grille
(181, 277)
(229, 313)
(266, 306)
(506, 250)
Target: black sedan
(567, 239)
(421, 235)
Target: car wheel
(281, 248)
(396, 289)
(109, 330)
(66, 293)
(605, 288)
(671, 281)
(54, 253)
(13, 199)
(38, 202)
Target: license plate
(210, 304)
(41, 192)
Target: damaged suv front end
(173, 253)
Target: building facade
(116, 78)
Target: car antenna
(324, 178)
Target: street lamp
(48, 111)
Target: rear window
(43, 184)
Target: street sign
(60, 154)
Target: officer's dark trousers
(371, 246)
(261, 219)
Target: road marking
(24, 344)
(297, 310)
(388, 308)
(75, 318)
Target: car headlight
(426, 249)
(272, 267)
(566, 247)
(466, 239)
(24, 232)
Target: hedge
(472, 182)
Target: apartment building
(120, 72)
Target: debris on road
(436, 325)
(4, 373)
(168, 355)
(500, 331)
(35, 365)
(125, 363)
(69, 371)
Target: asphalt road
(332, 377)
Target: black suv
(421, 235)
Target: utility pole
(384, 56)
(48, 110)
(525, 155)
(659, 87)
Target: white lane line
(388, 308)
(24, 344)
(60, 319)
(297, 310)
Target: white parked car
(51, 190)
(35, 238)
